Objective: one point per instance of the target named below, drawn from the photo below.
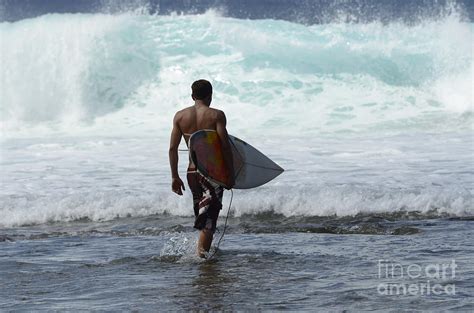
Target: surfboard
(251, 167)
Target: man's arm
(176, 183)
(226, 148)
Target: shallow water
(149, 264)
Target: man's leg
(204, 242)
(207, 212)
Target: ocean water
(373, 123)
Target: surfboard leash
(225, 223)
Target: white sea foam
(103, 179)
(364, 117)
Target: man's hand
(177, 185)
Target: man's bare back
(189, 120)
(198, 117)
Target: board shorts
(207, 200)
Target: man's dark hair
(202, 89)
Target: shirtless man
(207, 196)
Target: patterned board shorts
(207, 200)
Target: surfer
(207, 196)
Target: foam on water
(109, 178)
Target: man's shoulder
(182, 112)
(218, 114)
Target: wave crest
(62, 71)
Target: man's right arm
(176, 182)
(226, 148)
